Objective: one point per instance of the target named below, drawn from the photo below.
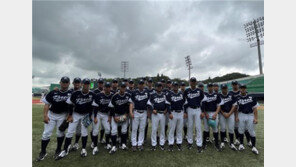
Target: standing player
(194, 97)
(176, 115)
(101, 116)
(201, 86)
(114, 86)
(166, 91)
(185, 120)
(247, 116)
(55, 112)
(138, 113)
(151, 91)
(119, 105)
(82, 102)
(226, 117)
(211, 107)
(216, 88)
(159, 107)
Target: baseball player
(194, 97)
(176, 115)
(138, 113)
(114, 86)
(55, 112)
(82, 102)
(247, 117)
(151, 91)
(226, 117)
(211, 109)
(159, 107)
(185, 120)
(216, 88)
(162, 83)
(119, 105)
(201, 86)
(101, 116)
(166, 91)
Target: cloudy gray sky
(83, 38)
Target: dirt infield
(36, 101)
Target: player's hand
(154, 112)
(109, 119)
(70, 119)
(95, 120)
(207, 116)
(214, 116)
(236, 119)
(46, 119)
(202, 115)
(185, 115)
(116, 119)
(132, 115)
(171, 116)
(255, 121)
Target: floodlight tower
(188, 64)
(124, 67)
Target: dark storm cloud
(82, 38)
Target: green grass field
(209, 157)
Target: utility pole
(124, 67)
(189, 65)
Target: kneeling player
(82, 103)
(247, 117)
(119, 105)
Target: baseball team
(113, 109)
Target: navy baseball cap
(243, 86)
(77, 80)
(223, 86)
(131, 82)
(162, 81)
(183, 84)
(86, 81)
(100, 80)
(234, 83)
(150, 80)
(122, 84)
(114, 81)
(175, 84)
(124, 80)
(158, 84)
(107, 84)
(200, 85)
(215, 84)
(65, 79)
(192, 79)
(169, 82)
(144, 79)
(141, 82)
(209, 85)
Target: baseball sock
(241, 138)
(127, 133)
(236, 133)
(91, 136)
(248, 137)
(215, 134)
(223, 136)
(59, 143)
(44, 144)
(102, 132)
(67, 143)
(253, 140)
(113, 138)
(146, 131)
(77, 137)
(123, 138)
(95, 140)
(84, 141)
(231, 137)
(205, 136)
(107, 136)
(185, 131)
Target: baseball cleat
(95, 151)
(75, 147)
(103, 141)
(124, 147)
(61, 155)
(170, 148)
(134, 148)
(83, 153)
(236, 142)
(92, 145)
(179, 147)
(218, 148)
(255, 151)
(41, 156)
(113, 150)
(108, 147)
(222, 145)
(162, 148)
(199, 149)
(250, 144)
(232, 147)
(141, 148)
(153, 148)
(189, 146)
(241, 147)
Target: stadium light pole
(124, 67)
(188, 64)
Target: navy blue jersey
(151, 91)
(97, 91)
(140, 99)
(102, 101)
(211, 102)
(166, 91)
(176, 100)
(235, 94)
(120, 104)
(246, 104)
(72, 90)
(57, 101)
(158, 101)
(114, 91)
(82, 102)
(228, 101)
(194, 97)
(130, 91)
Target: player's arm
(45, 111)
(255, 111)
